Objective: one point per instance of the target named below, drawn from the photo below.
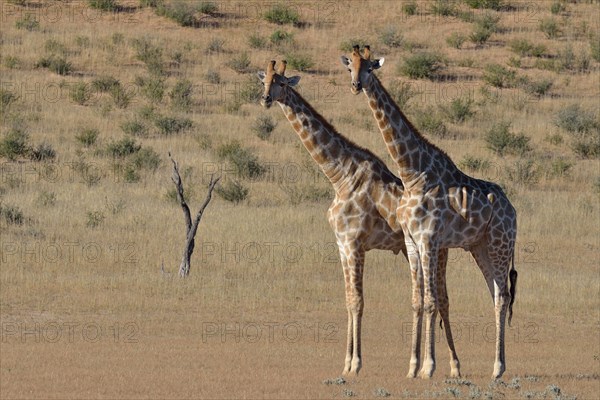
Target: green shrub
(282, 14)
(94, 219)
(524, 172)
(537, 88)
(213, 77)
(53, 46)
(549, 26)
(575, 120)
(151, 3)
(181, 94)
(233, 191)
(256, 41)
(251, 91)
(105, 83)
(525, 48)
(488, 21)
(6, 99)
(88, 137)
(104, 5)
(401, 92)
(240, 63)
(559, 168)
(587, 148)
(146, 159)
(499, 76)
(263, 126)
(28, 22)
(557, 7)
(459, 110)
(171, 125)
(80, 93)
(123, 148)
(480, 35)
(444, 8)
(502, 141)
(149, 54)
(58, 65)
(421, 65)
(300, 62)
(456, 40)
(410, 8)
(12, 62)
(42, 152)
(208, 7)
(14, 144)
(244, 162)
(216, 45)
(390, 36)
(153, 88)
(281, 37)
(431, 123)
(134, 128)
(120, 97)
(496, 5)
(180, 11)
(474, 164)
(12, 215)
(46, 199)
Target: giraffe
(363, 212)
(441, 208)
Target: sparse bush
(12, 62)
(431, 123)
(181, 94)
(390, 36)
(443, 7)
(180, 11)
(263, 126)
(496, 5)
(587, 147)
(524, 172)
(456, 40)
(208, 7)
(171, 125)
(381, 392)
(94, 219)
(6, 99)
(498, 76)
(240, 63)
(256, 41)
(149, 54)
(146, 159)
(213, 77)
(120, 97)
(474, 163)
(42, 152)
(88, 137)
(488, 21)
(459, 110)
(251, 91)
(401, 92)
(28, 22)
(53, 46)
(122, 148)
(134, 128)
(244, 162)
(557, 7)
(153, 88)
(80, 93)
(233, 192)
(576, 120)
(421, 65)
(555, 139)
(58, 65)
(14, 144)
(104, 5)
(216, 45)
(12, 215)
(502, 141)
(46, 199)
(525, 48)
(151, 3)
(281, 38)
(559, 168)
(537, 88)
(300, 62)
(549, 26)
(595, 47)
(480, 35)
(117, 38)
(410, 8)
(282, 14)
(105, 83)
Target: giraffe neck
(327, 147)
(413, 154)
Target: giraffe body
(441, 208)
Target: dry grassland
(85, 311)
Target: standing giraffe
(441, 208)
(363, 212)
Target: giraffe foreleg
(416, 273)
(353, 270)
(444, 307)
(429, 256)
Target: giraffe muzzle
(356, 87)
(266, 101)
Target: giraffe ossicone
(441, 208)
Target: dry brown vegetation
(93, 100)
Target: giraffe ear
(293, 80)
(376, 64)
(345, 61)
(261, 75)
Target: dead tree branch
(191, 226)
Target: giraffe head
(360, 67)
(275, 83)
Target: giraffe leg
(429, 263)
(416, 273)
(353, 270)
(492, 268)
(444, 307)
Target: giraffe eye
(281, 84)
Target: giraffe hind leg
(444, 307)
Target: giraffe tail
(513, 289)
